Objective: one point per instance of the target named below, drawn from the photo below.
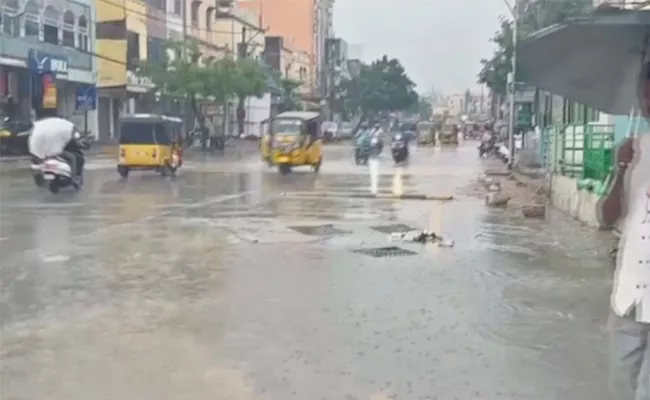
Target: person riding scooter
(362, 145)
(399, 148)
(488, 141)
(54, 136)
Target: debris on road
(421, 237)
(497, 199)
(534, 211)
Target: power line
(155, 18)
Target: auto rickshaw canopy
(149, 129)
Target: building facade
(297, 22)
(122, 42)
(46, 59)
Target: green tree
(422, 108)
(533, 16)
(382, 86)
(289, 95)
(197, 78)
(250, 80)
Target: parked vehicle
(14, 136)
(295, 139)
(150, 142)
(330, 131)
(345, 131)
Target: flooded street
(236, 283)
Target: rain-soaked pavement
(207, 287)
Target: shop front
(40, 79)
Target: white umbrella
(50, 136)
(597, 61)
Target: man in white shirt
(629, 322)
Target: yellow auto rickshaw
(294, 139)
(426, 134)
(449, 134)
(150, 142)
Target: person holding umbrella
(629, 323)
(602, 60)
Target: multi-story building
(199, 21)
(323, 30)
(234, 27)
(46, 60)
(122, 42)
(302, 23)
(291, 64)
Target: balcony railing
(579, 151)
(18, 47)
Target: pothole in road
(319, 230)
(394, 228)
(384, 252)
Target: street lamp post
(512, 80)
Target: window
(32, 20)
(156, 50)
(67, 35)
(177, 7)
(132, 50)
(209, 16)
(195, 12)
(592, 115)
(51, 25)
(10, 19)
(83, 42)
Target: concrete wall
(579, 204)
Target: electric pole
(242, 53)
(512, 84)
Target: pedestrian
(628, 204)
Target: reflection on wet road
(236, 283)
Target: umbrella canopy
(50, 136)
(598, 61)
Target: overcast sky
(439, 42)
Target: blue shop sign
(86, 98)
(44, 63)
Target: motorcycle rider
(72, 152)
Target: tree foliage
(198, 78)
(422, 108)
(289, 95)
(381, 86)
(533, 16)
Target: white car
(329, 129)
(345, 130)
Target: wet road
(218, 286)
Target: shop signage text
(135, 80)
(43, 63)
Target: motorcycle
(55, 173)
(399, 148)
(362, 150)
(486, 147)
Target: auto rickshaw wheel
(123, 171)
(284, 169)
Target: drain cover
(319, 230)
(395, 228)
(382, 252)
